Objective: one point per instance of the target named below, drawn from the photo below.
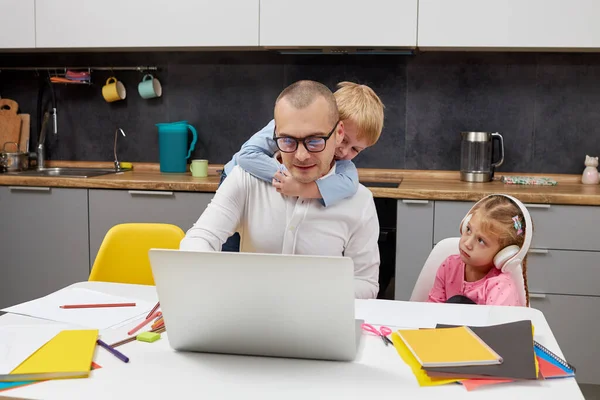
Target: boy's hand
(285, 184)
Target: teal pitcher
(173, 145)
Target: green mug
(199, 168)
(149, 87)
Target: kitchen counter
(397, 184)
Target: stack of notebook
(67, 354)
(476, 356)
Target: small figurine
(590, 174)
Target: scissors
(382, 332)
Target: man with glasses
(307, 132)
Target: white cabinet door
(17, 24)
(506, 24)
(146, 23)
(318, 23)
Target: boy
(361, 113)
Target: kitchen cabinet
(111, 207)
(146, 23)
(315, 23)
(414, 233)
(575, 324)
(43, 241)
(509, 24)
(17, 24)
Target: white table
(157, 372)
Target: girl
(493, 224)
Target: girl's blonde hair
(361, 105)
(496, 218)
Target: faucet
(41, 152)
(117, 163)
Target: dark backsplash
(547, 106)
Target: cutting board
(10, 123)
(25, 132)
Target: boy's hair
(302, 94)
(496, 218)
(360, 104)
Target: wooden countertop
(425, 185)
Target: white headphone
(510, 257)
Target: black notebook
(512, 341)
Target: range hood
(347, 51)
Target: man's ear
(339, 137)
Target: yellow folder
(444, 347)
(68, 355)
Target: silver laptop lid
(257, 304)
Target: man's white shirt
(269, 222)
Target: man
(361, 114)
(307, 132)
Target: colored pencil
(114, 352)
(157, 322)
(153, 310)
(69, 306)
(144, 322)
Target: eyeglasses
(312, 144)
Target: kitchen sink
(68, 172)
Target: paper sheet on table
(18, 342)
(420, 315)
(48, 307)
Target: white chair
(439, 253)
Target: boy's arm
(256, 155)
(342, 184)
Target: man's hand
(285, 184)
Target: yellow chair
(123, 254)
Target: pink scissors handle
(385, 331)
(371, 328)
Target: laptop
(276, 305)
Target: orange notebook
(445, 347)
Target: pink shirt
(496, 288)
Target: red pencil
(153, 310)
(98, 305)
(141, 325)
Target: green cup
(149, 87)
(199, 168)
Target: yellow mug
(114, 90)
(199, 168)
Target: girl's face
(477, 249)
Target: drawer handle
(409, 201)
(537, 295)
(29, 188)
(537, 206)
(149, 193)
(538, 251)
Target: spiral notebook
(556, 367)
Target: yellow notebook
(68, 355)
(446, 347)
(422, 378)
